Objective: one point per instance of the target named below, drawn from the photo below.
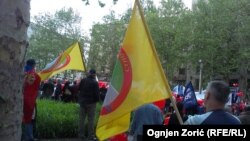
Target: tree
(106, 39)
(169, 26)
(52, 34)
(15, 17)
(15, 20)
(219, 39)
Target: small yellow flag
(70, 59)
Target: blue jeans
(28, 132)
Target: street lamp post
(200, 77)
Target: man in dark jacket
(88, 97)
(58, 89)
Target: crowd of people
(59, 90)
(212, 110)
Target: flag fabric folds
(137, 79)
(189, 100)
(70, 59)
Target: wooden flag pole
(176, 110)
(158, 62)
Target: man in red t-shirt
(30, 91)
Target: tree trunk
(14, 21)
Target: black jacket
(89, 91)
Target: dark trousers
(89, 111)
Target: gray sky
(91, 13)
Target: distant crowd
(59, 90)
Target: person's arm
(196, 119)
(96, 92)
(81, 84)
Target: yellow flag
(70, 59)
(137, 79)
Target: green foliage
(52, 34)
(218, 36)
(214, 31)
(58, 120)
(106, 39)
(169, 26)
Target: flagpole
(158, 61)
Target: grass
(58, 119)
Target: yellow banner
(142, 79)
(70, 59)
